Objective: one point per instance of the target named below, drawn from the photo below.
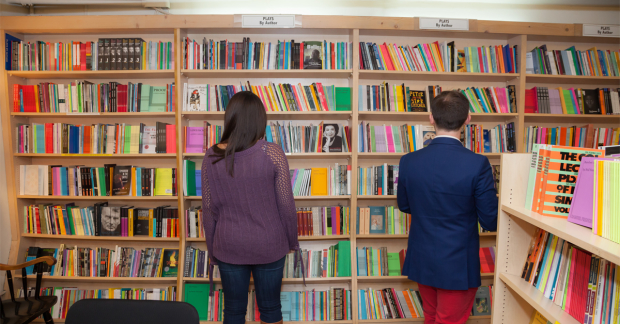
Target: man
(447, 189)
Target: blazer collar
(445, 140)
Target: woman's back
(249, 217)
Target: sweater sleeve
(284, 193)
(209, 218)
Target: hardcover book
(170, 263)
(121, 181)
(313, 55)
(417, 100)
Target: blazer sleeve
(486, 198)
(401, 192)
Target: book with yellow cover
(163, 182)
(318, 180)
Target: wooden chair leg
(48, 318)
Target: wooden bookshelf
(514, 296)
(401, 30)
(301, 238)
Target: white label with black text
(601, 30)
(444, 23)
(268, 21)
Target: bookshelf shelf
(145, 198)
(392, 155)
(436, 76)
(413, 320)
(382, 236)
(372, 197)
(343, 197)
(572, 79)
(534, 297)
(116, 74)
(244, 74)
(570, 118)
(402, 278)
(576, 234)
(96, 156)
(343, 155)
(290, 322)
(96, 115)
(300, 238)
(103, 238)
(126, 280)
(274, 115)
(285, 281)
(410, 116)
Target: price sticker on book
(269, 21)
(444, 23)
(601, 30)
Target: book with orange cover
(559, 186)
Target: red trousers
(443, 306)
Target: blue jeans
(267, 283)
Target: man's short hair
(450, 110)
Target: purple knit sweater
(249, 218)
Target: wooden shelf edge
(103, 238)
(300, 238)
(105, 279)
(101, 156)
(147, 198)
(288, 281)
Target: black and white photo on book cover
(332, 138)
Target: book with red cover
(83, 56)
(171, 139)
(386, 57)
(29, 98)
(49, 138)
(531, 101)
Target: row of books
(197, 264)
(60, 138)
(373, 262)
(323, 137)
(109, 180)
(104, 262)
(591, 62)
(382, 220)
(498, 139)
(200, 139)
(489, 59)
(583, 284)
(393, 139)
(542, 100)
(379, 180)
(552, 178)
(105, 54)
(330, 181)
(390, 303)
(605, 209)
(333, 261)
(87, 97)
(435, 57)
(69, 296)
(384, 97)
(586, 136)
(491, 99)
(487, 259)
(275, 97)
(101, 220)
(283, 55)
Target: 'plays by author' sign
(444, 23)
(601, 30)
(268, 21)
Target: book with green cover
(343, 98)
(127, 144)
(145, 95)
(375, 262)
(169, 266)
(393, 264)
(102, 184)
(157, 99)
(190, 177)
(344, 259)
(197, 295)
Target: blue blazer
(447, 189)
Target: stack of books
(393, 139)
(488, 59)
(87, 97)
(487, 259)
(101, 220)
(386, 97)
(283, 55)
(60, 138)
(379, 180)
(606, 211)
(585, 136)
(491, 99)
(542, 100)
(309, 138)
(334, 261)
(275, 97)
(105, 54)
(68, 296)
(382, 220)
(110, 180)
(499, 139)
(434, 57)
(579, 282)
(323, 221)
(119, 262)
(197, 264)
(330, 181)
(591, 62)
(374, 262)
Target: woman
(249, 212)
(332, 142)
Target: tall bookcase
(332, 28)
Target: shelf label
(268, 21)
(444, 23)
(601, 30)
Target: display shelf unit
(516, 299)
(401, 30)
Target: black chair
(126, 311)
(25, 310)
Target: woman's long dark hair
(245, 121)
